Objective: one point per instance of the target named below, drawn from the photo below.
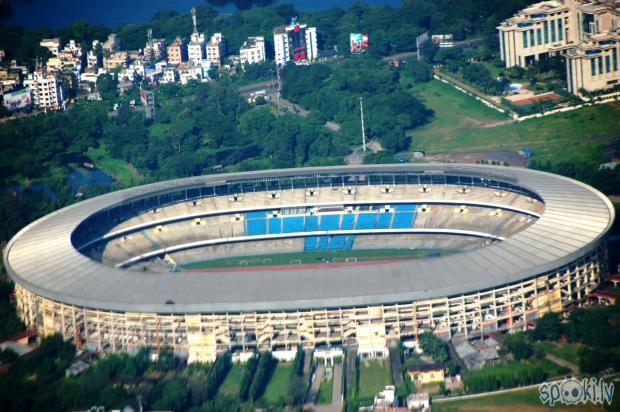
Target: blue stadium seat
(322, 245)
(384, 220)
(347, 221)
(403, 220)
(310, 243)
(366, 220)
(330, 222)
(312, 223)
(275, 225)
(405, 208)
(256, 227)
(336, 242)
(293, 224)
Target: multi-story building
(154, 49)
(53, 45)
(586, 32)
(216, 49)
(112, 44)
(296, 42)
(252, 50)
(91, 59)
(170, 75)
(196, 48)
(46, 90)
(115, 60)
(176, 51)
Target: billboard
(17, 100)
(297, 41)
(443, 40)
(358, 42)
(148, 101)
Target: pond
(81, 178)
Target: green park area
(566, 351)
(277, 386)
(325, 392)
(305, 258)
(374, 374)
(522, 400)
(232, 382)
(463, 124)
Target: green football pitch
(317, 257)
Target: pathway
(573, 368)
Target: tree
(107, 86)
(548, 327)
(518, 345)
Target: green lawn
(230, 386)
(462, 123)
(566, 351)
(124, 173)
(526, 400)
(278, 385)
(325, 392)
(315, 257)
(374, 374)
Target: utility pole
(362, 117)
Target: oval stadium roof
(42, 259)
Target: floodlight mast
(362, 117)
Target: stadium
(321, 257)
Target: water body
(59, 13)
(83, 178)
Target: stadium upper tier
(538, 222)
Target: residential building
(296, 42)
(115, 60)
(386, 398)
(196, 47)
(426, 373)
(112, 44)
(170, 75)
(46, 90)
(154, 49)
(176, 51)
(216, 49)
(253, 50)
(586, 32)
(53, 45)
(418, 402)
(91, 74)
(91, 59)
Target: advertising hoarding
(17, 100)
(358, 42)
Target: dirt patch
(503, 157)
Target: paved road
(463, 44)
(252, 88)
(395, 363)
(316, 383)
(336, 405)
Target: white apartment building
(586, 32)
(91, 59)
(296, 42)
(170, 75)
(253, 50)
(196, 48)
(154, 48)
(53, 45)
(46, 90)
(216, 49)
